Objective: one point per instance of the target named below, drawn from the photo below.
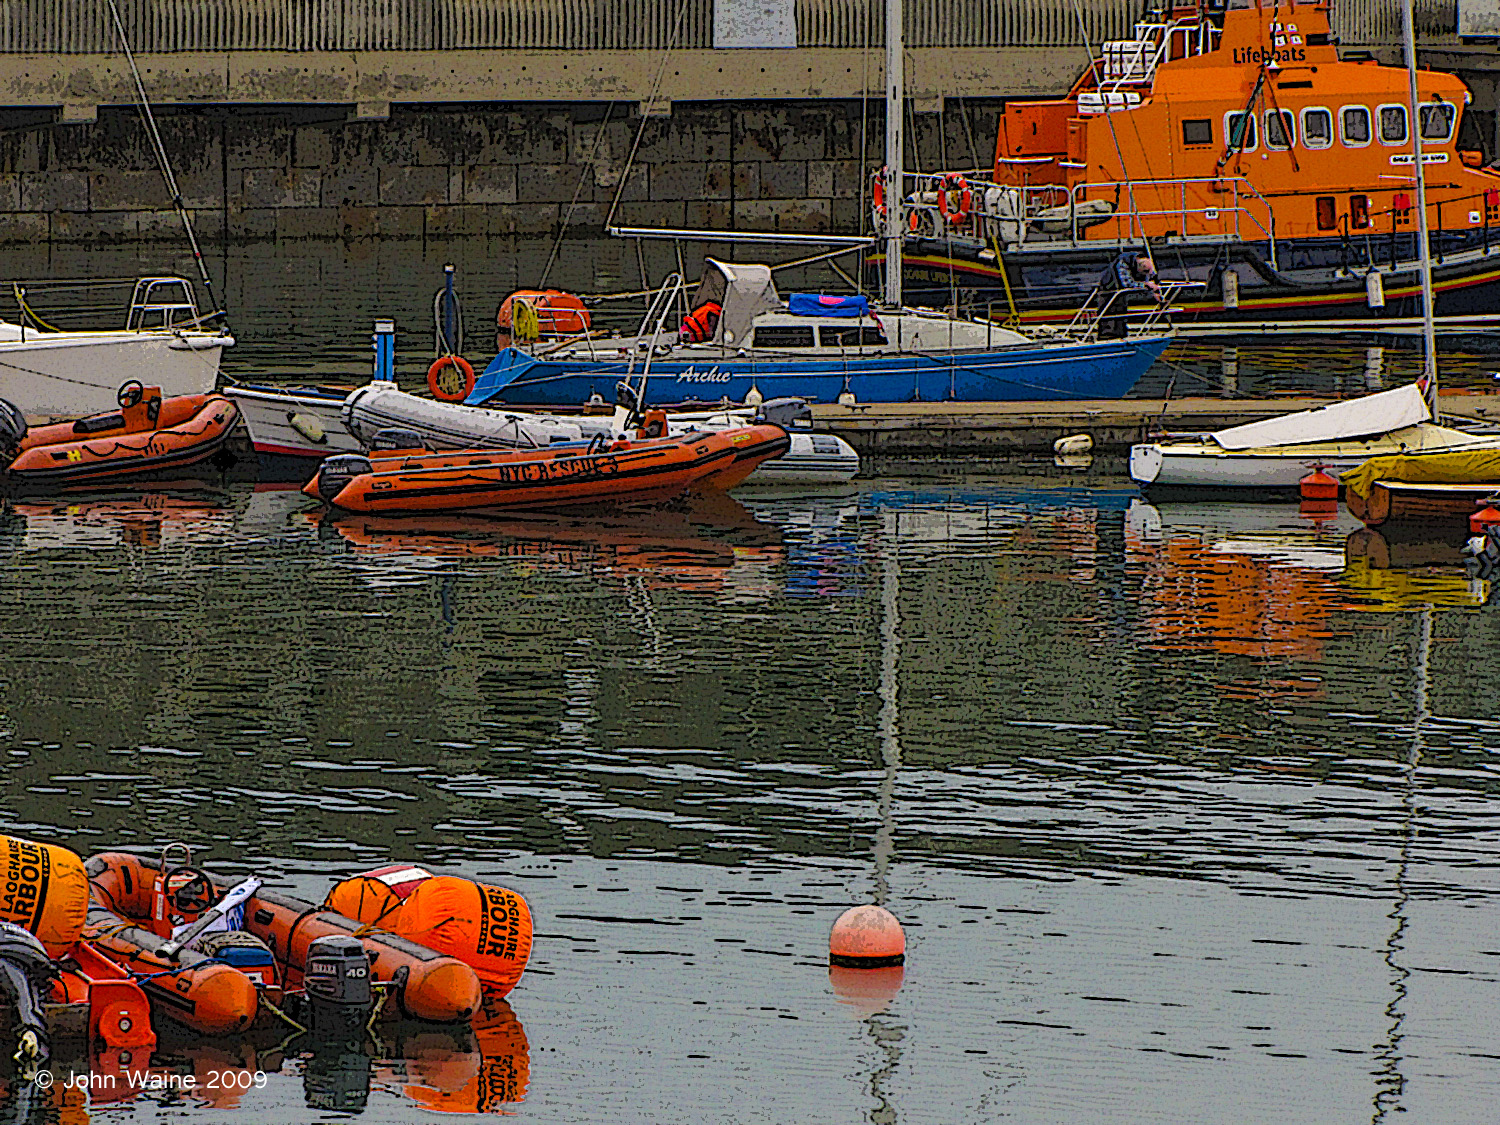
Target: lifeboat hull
(632, 471)
(188, 429)
(422, 984)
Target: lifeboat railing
(1050, 216)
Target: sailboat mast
(1429, 335)
(895, 103)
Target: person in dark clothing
(1129, 274)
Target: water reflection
(483, 1069)
(1137, 780)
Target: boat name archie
(712, 375)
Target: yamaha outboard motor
(337, 471)
(12, 430)
(788, 413)
(25, 971)
(395, 437)
(337, 981)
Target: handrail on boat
(1025, 207)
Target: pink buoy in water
(866, 937)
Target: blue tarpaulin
(818, 304)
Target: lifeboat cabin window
(850, 336)
(1239, 132)
(1280, 129)
(1328, 217)
(1437, 121)
(1359, 211)
(1317, 128)
(1199, 132)
(1354, 125)
(1393, 124)
(784, 336)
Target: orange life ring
(953, 182)
(878, 193)
(448, 390)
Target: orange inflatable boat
(148, 434)
(560, 476)
(420, 982)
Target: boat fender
(1375, 289)
(1073, 445)
(1231, 285)
(309, 427)
(454, 386)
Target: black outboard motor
(788, 413)
(337, 981)
(337, 471)
(396, 437)
(12, 430)
(25, 971)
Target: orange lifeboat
(148, 434)
(421, 983)
(560, 476)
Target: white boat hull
(285, 423)
(1203, 464)
(69, 374)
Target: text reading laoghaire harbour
(153, 1080)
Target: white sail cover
(1372, 414)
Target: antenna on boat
(895, 105)
(1429, 335)
(165, 164)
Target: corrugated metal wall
(85, 26)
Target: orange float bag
(44, 889)
(373, 897)
(488, 928)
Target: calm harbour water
(1191, 812)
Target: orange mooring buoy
(1487, 516)
(866, 937)
(1318, 485)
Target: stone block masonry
(436, 172)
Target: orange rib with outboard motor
(148, 434)
(423, 984)
(560, 476)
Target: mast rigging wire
(161, 158)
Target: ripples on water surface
(1191, 813)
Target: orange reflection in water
(458, 1073)
(1198, 596)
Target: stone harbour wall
(463, 172)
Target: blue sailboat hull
(1102, 369)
